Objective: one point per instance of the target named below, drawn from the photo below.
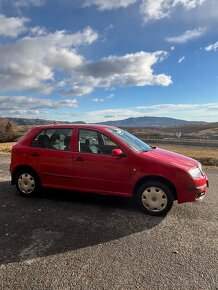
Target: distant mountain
(36, 122)
(150, 122)
(130, 122)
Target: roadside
(207, 156)
(68, 240)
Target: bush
(208, 161)
(8, 131)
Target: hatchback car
(105, 160)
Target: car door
(51, 157)
(96, 169)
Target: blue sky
(98, 60)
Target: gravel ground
(65, 240)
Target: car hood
(170, 158)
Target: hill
(130, 122)
(150, 122)
(35, 122)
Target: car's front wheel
(154, 198)
(27, 183)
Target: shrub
(8, 131)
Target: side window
(108, 141)
(57, 139)
(88, 141)
(95, 142)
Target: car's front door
(94, 167)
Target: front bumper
(204, 186)
(194, 193)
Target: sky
(100, 60)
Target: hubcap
(26, 183)
(154, 199)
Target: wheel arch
(20, 168)
(156, 178)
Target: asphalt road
(68, 240)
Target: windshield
(132, 141)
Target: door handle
(35, 154)
(79, 159)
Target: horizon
(109, 60)
(106, 121)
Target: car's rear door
(51, 156)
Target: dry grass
(5, 148)
(207, 156)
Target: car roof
(57, 125)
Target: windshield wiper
(149, 149)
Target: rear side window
(56, 139)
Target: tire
(154, 198)
(27, 183)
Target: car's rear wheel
(154, 198)
(27, 183)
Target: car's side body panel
(102, 173)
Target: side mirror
(117, 152)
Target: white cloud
(110, 96)
(109, 4)
(29, 106)
(212, 47)
(100, 100)
(12, 26)
(24, 65)
(25, 3)
(187, 36)
(77, 90)
(181, 59)
(154, 10)
(97, 100)
(123, 71)
(32, 62)
(38, 30)
(159, 9)
(193, 112)
(84, 37)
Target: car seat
(67, 140)
(43, 141)
(55, 141)
(90, 146)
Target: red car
(105, 160)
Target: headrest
(67, 140)
(43, 140)
(90, 141)
(54, 137)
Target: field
(5, 148)
(207, 156)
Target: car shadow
(60, 221)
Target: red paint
(114, 174)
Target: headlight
(195, 173)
